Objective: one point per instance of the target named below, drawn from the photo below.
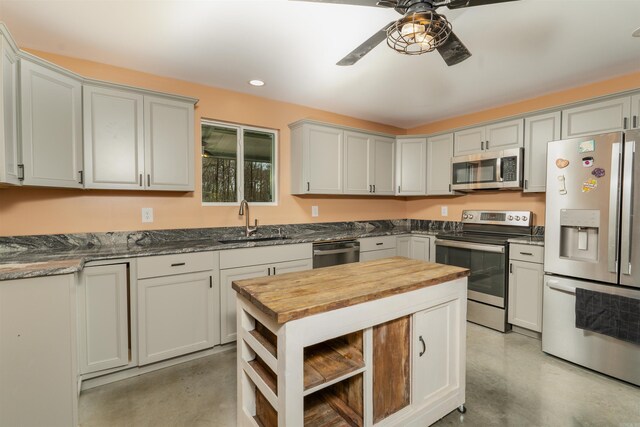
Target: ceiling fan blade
(374, 3)
(459, 4)
(453, 51)
(366, 47)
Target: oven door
(488, 280)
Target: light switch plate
(444, 210)
(147, 214)
(314, 211)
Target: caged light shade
(418, 33)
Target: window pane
(219, 164)
(259, 150)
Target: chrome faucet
(248, 231)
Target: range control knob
(465, 216)
(517, 218)
(470, 216)
(510, 217)
(524, 218)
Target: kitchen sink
(253, 239)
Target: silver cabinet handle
(424, 346)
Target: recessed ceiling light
(636, 33)
(256, 82)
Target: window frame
(240, 160)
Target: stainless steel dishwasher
(335, 253)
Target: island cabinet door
(435, 367)
(228, 297)
(176, 315)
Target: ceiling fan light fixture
(418, 33)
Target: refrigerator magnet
(562, 188)
(598, 172)
(587, 162)
(587, 146)
(562, 163)
(589, 185)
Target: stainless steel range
(482, 247)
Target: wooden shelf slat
(265, 373)
(330, 360)
(264, 342)
(319, 413)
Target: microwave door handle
(614, 210)
(627, 207)
(499, 169)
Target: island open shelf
(373, 343)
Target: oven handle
(320, 252)
(473, 246)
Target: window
(238, 162)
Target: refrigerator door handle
(614, 203)
(627, 207)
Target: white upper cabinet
(538, 131)
(439, 153)
(113, 138)
(494, 137)
(596, 117)
(132, 141)
(316, 159)
(411, 164)
(9, 149)
(51, 119)
(635, 111)
(169, 144)
(382, 159)
(357, 179)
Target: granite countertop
(529, 240)
(53, 261)
(296, 295)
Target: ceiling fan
(420, 30)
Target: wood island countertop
(296, 295)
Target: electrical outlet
(314, 211)
(147, 214)
(444, 210)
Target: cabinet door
(403, 246)
(291, 266)
(9, 151)
(436, 367)
(373, 255)
(103, 328)
(38, 373)
(469, 141)
(169, 144)
(597, 117)
(439, 153)
(635, 111)
(539, 130)
(51, 127)
(228, 325)
(113, 138)
(176, 315)
(411, 165)
(525, 295)
(504, 135)
(323, 158)
(382, 174)
(357, 163)
(421, 248)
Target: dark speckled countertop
(33, 256)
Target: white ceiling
(521, 49)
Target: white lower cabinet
(417, 247)
(526, 278)
(228, 325)
(177, 313)
(38, 384)
(436, 369)
(372, 248)
(103, 326)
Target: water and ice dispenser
(579, 234)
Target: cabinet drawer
(372, 255)
(377, 243)
(166, 265)
(264, 255)
(530, 253)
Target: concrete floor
(510, 382)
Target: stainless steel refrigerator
(592, 242)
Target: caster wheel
(462, 409)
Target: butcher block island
(373, 343)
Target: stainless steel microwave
(497, 170)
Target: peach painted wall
(430, 208)
(26, 211)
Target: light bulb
(425, 39)
(411, 30)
